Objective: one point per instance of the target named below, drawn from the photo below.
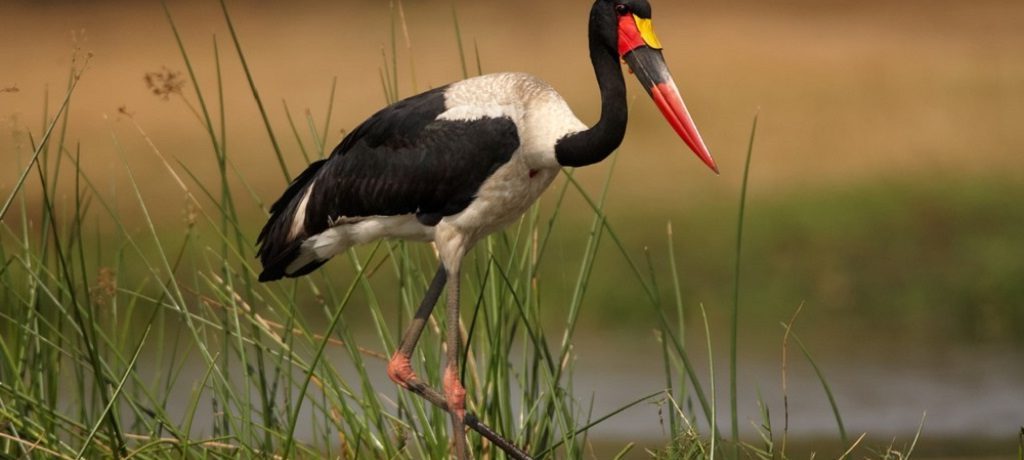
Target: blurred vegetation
(929, 256)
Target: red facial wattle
(629, 35)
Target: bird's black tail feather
(277, 246)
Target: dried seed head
(165, 83)
(106, 286)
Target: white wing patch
(299, 221)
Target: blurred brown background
(849, 91)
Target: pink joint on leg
(454, 392)
(400, 370)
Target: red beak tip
(714, 167)
(707, 159)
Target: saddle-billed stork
(456, 163)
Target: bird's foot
(400, 371)
(454, 392)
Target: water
(971, 398)
(963, 392)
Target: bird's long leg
(454, 392)
(400, 368)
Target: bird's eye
(621, 9)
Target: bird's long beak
(640, 48)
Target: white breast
(502, 198)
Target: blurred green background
(886, 185)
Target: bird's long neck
(595, 144)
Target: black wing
(402, 160)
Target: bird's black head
(623, 29)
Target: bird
(456, 163)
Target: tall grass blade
(677, 292)
(598, 421)
(325, 135)
(220, 97)
(734, 336)
(917, 437)
(785, 378)
(43, 142)
(765, 428)
(114, 396)
(255, 93)
(193, 405)
(711, 382)
(826, 387)
(408, 48)
(458, 41)
(479, 62)
(295, 132)
(206, 118)
(1020, 445)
